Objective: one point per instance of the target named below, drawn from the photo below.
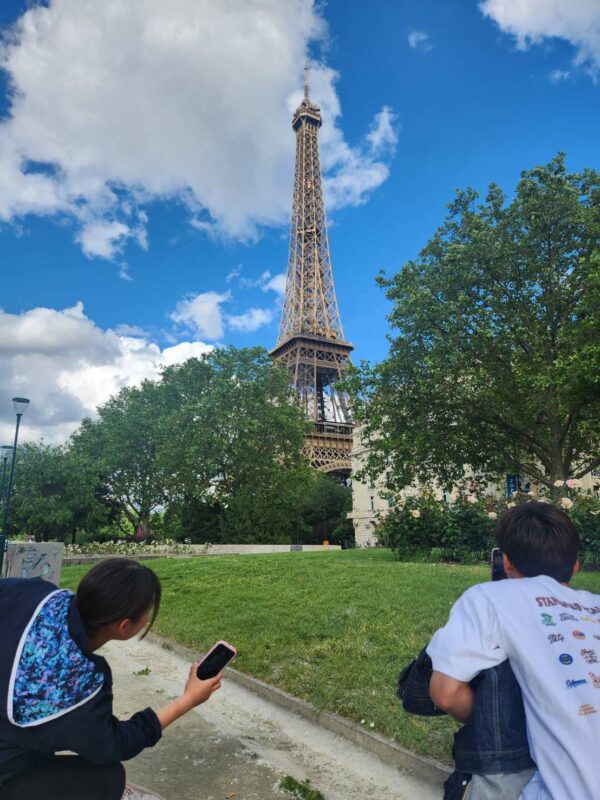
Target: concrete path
(238, 746)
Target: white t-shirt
(551, 634)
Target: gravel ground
(238, 746)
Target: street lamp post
(5, 451)
(20, 405)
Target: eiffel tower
(311, 340)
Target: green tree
(55, 494)
(324, 507)
(494, 358)
(123, 446)
(233, 438)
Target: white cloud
(250, 320)
(419, 40)
(275, 283)
(560, 75)
(102, 238)
(202, 313)
(531, 21)
(383, 135)
(67, 366)
(266, 282)
(119, 102)
(204, 316)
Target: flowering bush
(423, 528)
(124, 548)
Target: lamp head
(20, 404)
(5, 451)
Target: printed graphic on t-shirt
(585, 709)
(589, 656)
(595, 679)
(585, 656)
(551, 636)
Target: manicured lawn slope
(334, 628)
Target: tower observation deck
(311, 339)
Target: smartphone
(216, 660)
(498, 573)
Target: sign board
(33, 560)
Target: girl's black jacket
(55, 694)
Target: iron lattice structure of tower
(311, 340)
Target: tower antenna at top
(306, 81)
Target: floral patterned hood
(51, 675)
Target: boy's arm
(469, 643)
(454, 697)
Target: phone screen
(215, 662)
(498, 573)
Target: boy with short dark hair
(551, 635)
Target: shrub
(413, 529)
(426, 529)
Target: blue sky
(146, 165)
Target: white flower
(596, 512)
(566, 502)
(492, 514)
(362, 722)
(471, 498)
(573, 483)
(559, 483)
(415, 513)
(371, 724)
(510, 505)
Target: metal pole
(5, 459)
(11, 476)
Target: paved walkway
(238, 745)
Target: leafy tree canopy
(494, 357)
(123, 444)
(55, 493)
(233, 437)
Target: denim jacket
(495, 740)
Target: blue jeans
(503, 786)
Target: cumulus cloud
(204, 316)
(115, 103)
(202, 313)
(419, 40)
(250, 320)
(266, 282)
(274, 283)
(67, 366)
(531, 21)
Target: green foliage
(415, 528)
(323, 508)
(232, 444)
(585, 513)
(301, 790)
(56, 494)
(123, 446)
(495, 356)
(426, 529)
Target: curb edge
(418, 766)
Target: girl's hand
(197, 691)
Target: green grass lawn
(334, 628)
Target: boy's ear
(510, 570)
(576, 567)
